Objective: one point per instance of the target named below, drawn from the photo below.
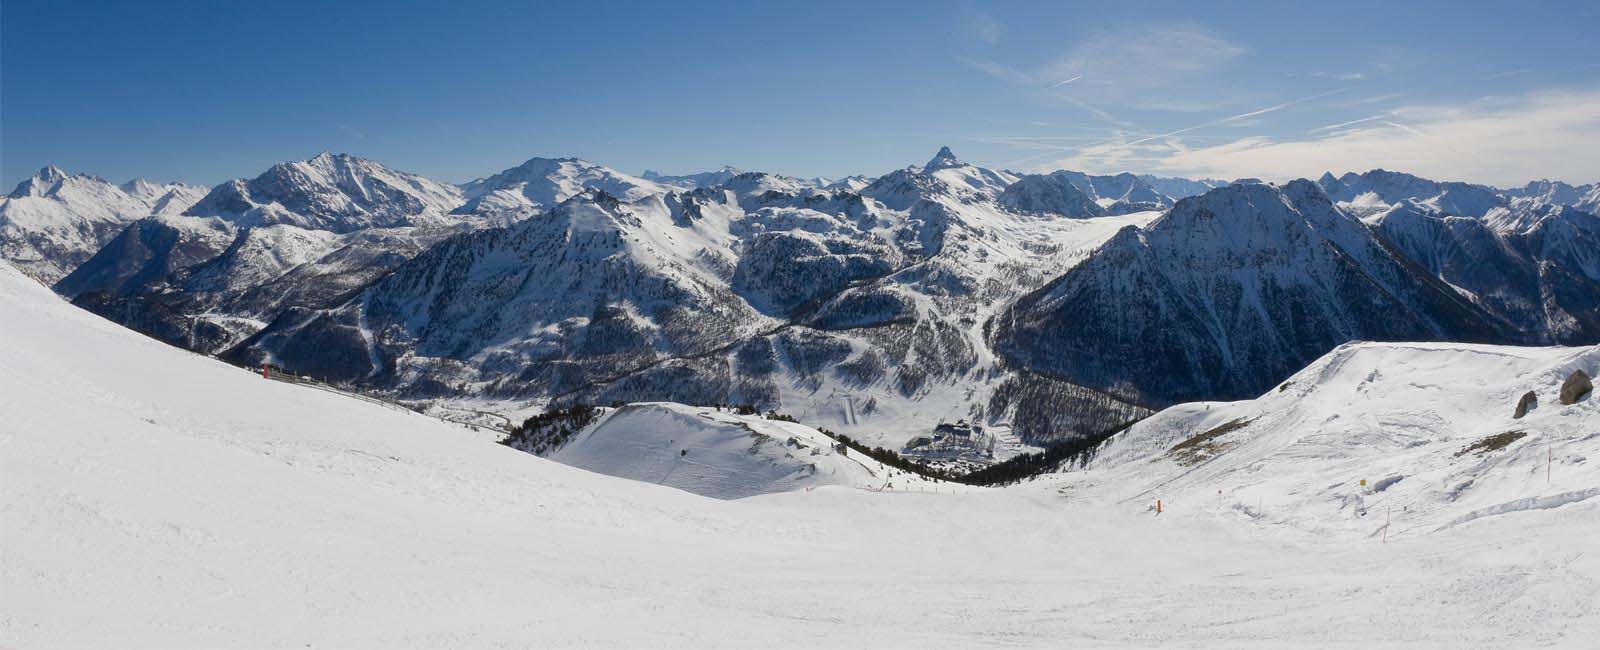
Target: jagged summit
(54, 221)
(945, 159)
(39, 183)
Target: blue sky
(207, 91)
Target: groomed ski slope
(154, 498)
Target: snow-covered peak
(1254, 214)
(945, 159)
(1548, 191)
(1590, 201)
(944, 178)
(55, 221)
(41, 183)
(853, 183)
(142, 188)
(1527, 215)
(1377, 189)
(541, 183)
(756, 184)
(1406, 211)
(336, 192)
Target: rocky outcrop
(1576, 387)
(1528, 402)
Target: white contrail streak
(1341, 125)
(1235, 118)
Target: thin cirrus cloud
(1375, 99)
(1500, 140)
(1120, 68)
(1241, 117)
(1339, 76)
(1118, 65)
(1154, 148)
(1507, 73)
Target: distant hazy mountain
(692, 181)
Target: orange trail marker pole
(1158, 506)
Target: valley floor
(154, 498)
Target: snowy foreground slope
(153, 498)
(720, 454)
(1414, 420)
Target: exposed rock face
(1576, 387)
(1528, 401)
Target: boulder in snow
(1528, 401)
(1576, 387)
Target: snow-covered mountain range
(1044, 306)
(55, 221)
(338, 193)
